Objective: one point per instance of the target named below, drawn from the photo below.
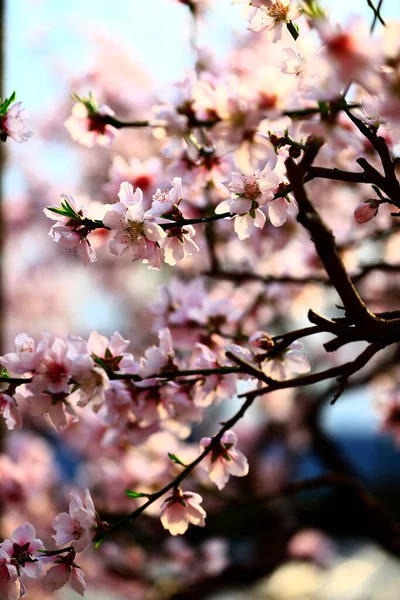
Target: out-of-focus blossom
(291, 360)
(143, 175)
(224, 459)
(180, 509)
(389, 415)
(349, 56)
(89, 127)
(311, 544)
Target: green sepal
(4, 374)
(176, 460)
(5, 105)
(133, 494)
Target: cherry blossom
(13, 124)
(21, 552)
(65, 570)
(292, 360)
(157, 358)
(163, 202)
(248, 194)
(88, 127)
(77, 527)
(142, 174)
(23, 360)
(223, 460)
(9, 411)
(180, 509)
(71, 229)
(134, 231)
(179, 244)
(269, 15)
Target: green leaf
(133, 494)
(68, 209)
(58, 211)
(75, 97)
(176, 460)
(97, 543)
(4, 374)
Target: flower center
(55, 371)
(278, 11)
(251, 189)
(134, 230)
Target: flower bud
(366, 210)
(262, 339)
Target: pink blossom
(9, 411)
(179, 244)
(163, 202)
(71, 232)
(140, 174)
(351, 58)
(180, 509)
(269, 15)
(92, 380)
(78, 527)
(112, 352)
(89, 128)
(23, 360)
(249, 193)
(52, 366)
(171, 119)
(134, 231)
(65, 570)
(54, 405)
(280, 208)
(13, 123)
(10, 587)
(213, 387)
(223, 460)
(157, 358)
(291, 360)
(20, 553)
(366, 210)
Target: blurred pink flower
(90, 129)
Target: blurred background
(125, 53)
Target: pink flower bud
(366, 210)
